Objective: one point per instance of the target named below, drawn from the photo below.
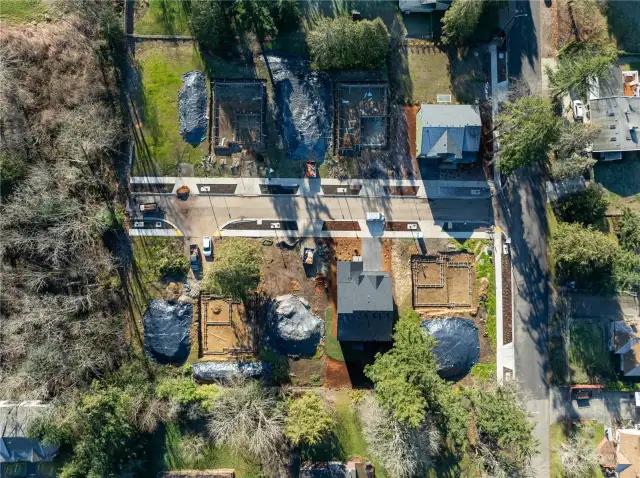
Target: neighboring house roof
(423, 6)
(631, 360)
(607, 453)
(448, 131)
(365, 304)
(14, 444)
(323, 470)
(619, 118)
(628, 453)
(625, 341)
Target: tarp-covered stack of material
(223, 371)
(458, 347)
(303, 98)
(291, 327)
(192, 108)
(166, 330)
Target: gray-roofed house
(614, 106)
(365, 304)
(423, 6)
(450, 133)
(20, 455)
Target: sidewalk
(314, 187)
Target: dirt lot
(443, 279)
(225, 331)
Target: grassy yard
(589, 358)
(331, 345)
(484, 371)
(163, 17)
(620, 178)
(22, 11)
(559, 434)
(161, 147)
(486, 268)
(166, 454)
(428, 74)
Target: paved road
(203, 215)
(603, 406)
(523, 43)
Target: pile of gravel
(291, 327)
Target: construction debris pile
(304, 102)
(291, 327)
(192, 108)
(458, 347)
(224, 371)
(166, 330)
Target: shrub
(460, 21)
(629, 233)
(185, 391)
(341, 44)
(586, 206)
(236, 269)
(308, 421)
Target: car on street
(207, 246)
(578, 110)
(375, 216)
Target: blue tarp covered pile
(458, 347)
(192, 108)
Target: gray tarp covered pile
(192, 108)
(458, 347)
(166, 330)
(291, 327)
(303, 98)
(221, 371)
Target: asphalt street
(203, 215)
(523, 213)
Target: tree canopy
(528, 128)
(341, 44)
(308, 421)
(460, 21)
(629, 233)
(586, 206)
(579, 63)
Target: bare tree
(579, 457)
(403, 451)
(250, 419)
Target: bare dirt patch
(340, 226)
(402, 250)
(337, 375)
(226, 332)
(443, 280)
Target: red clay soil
(410, 112)
(337, 374)
(341, 226)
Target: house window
(14, 470)
(47, 469)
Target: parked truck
(194, 258)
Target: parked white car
(207, 246)
(375, 216)
(578, 110)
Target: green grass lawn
(484, 371)
(486, 268)
(162, 148)
(331, 345)
(428, 74)
(22, 11)
(165, 454)
(589, 358)
(558, 436)
(163, 17)
(620, 178)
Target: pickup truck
(194, 258)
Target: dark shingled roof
(365, 304)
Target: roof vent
(443, 99)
